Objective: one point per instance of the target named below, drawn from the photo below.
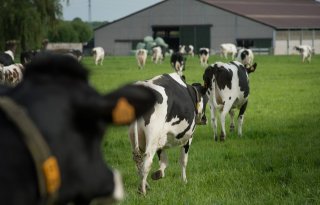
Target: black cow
(71, 117)
(228, 88)
(170, 123)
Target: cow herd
(52, 121)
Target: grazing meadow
(277, 161)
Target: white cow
(245, 56)
(171, 123)
(228, 48)
(204, 56)
(141, 56)
(157, 55)
(305, 52)
(98, 55)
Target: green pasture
(277, 161)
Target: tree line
(29, 22)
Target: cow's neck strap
(46, 164)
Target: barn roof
(280, 14)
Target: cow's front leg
(163, 162)
(184, 160)
(241, 117)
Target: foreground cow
(204, 56)
(51, 128)
(170, 123)
(141, 56)
(228, 88)
(98, 55)
(228, 48)
(178, 62)
(245, 56)
(11, 75)
(305, 52)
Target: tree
(28, 21)
(82, 29)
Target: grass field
(277, 161)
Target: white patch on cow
(177, 78)
(10, 53)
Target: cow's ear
(128, 103)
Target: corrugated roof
(280, 14)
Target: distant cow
(179, 108)
(228, 88)
(245, 56)
(98, 55)
(186, 50)
(228, 48)
(11, 75)
(51, 129)
(178, 62)
(141, 56)
(204, 56)
(305, 52)
(157, 56)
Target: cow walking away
(157, 55)
(141, 56)
(170, 123)
(204, 56)
(305, 52)
(98, 55)
(227, 87)
(51, 129)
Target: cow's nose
(118, 192)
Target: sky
(103, 10)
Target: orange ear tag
(123, 113)
(52, 174)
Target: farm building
(272, 26)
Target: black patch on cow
(5, 59)
(203, 52)
(244, 54)
(243, 80)
(186, 147)
(147, 115)
(222, 75)
(159, 153)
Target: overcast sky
(103, 10)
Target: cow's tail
(213, 96)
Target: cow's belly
(171, 136)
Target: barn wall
(226, 27)
(286, 40)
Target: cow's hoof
(215, 138)
(156, 175)
(222, 138)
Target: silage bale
(148, 39)
(141, 45)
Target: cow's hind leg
(184, 160)
(163, 162)
(226, 108)
(241, 117)
(231, 113)
(146, 166)
(214, 122)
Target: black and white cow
(246, 57)
(305, 52)
(27, 56)
(178, 62)
(11, 75)
(228, 88)
(204, 56)
(228, 48)
(7, 58)
(62, 109)
(179, 108)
